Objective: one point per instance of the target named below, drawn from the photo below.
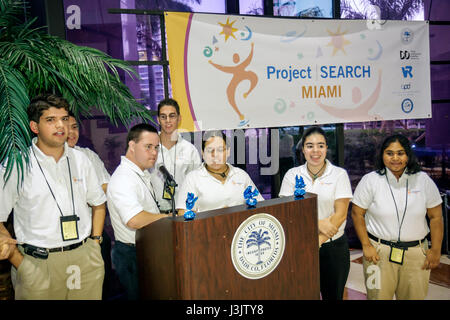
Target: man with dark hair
(132, 202)
(176, 154)
(57, 256)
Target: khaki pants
(70, 275)
(407, 281)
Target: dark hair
(213, 133)
(71, 114)
(135, 132)
(44, 102)
(313, 130)
(169, 102)
(411, 167)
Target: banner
(231, 72)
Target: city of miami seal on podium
(258, 246)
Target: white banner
(241, 72)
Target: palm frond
(10, 11)
(14, 131)
(33, 62)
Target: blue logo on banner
(407, 36)
(407, 71)
(407, 105)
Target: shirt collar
(42, 157)
(393, 179)
(328, 169)
(204, 172)
(131, 165)
(179, 137)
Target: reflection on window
(303, 8)
(255, 7)
(387, 10)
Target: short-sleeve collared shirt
(179, 160)
(36, 213)
(129, 192)
(333, 184)
(374, 195)
(213, 194)
(98, 164)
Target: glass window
(437, 10)
(439, 42)
(363, 9)
(308, 8)
(303, 8)
(440, 82)
(255, 7)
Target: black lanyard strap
(396, 209)
(174, 160)
(151, 193)
(48, 184)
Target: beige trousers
(407, 281)
(70, 275)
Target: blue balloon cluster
(190, 202)
(300, 185)
(249, 197)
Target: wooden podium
(180, 259)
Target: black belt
(69, 247)
(401, 244)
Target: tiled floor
(439, 288)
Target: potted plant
(34, 62)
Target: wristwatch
(99, 238)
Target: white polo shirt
(36, 214)
(374, 195)
(98, 164)
(211, 193)
(333, 184)
(129, 192)
(179, 160)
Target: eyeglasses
(164, 117)
(150, 147)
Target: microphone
(167, 176)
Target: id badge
(69, 227)
(167, 195)
(397, 255)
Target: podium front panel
(195, 256)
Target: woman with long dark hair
(333, 189)
(389, 209)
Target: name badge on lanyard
(397, 254)
(69, 227)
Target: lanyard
(174, 160)
(151, 193)
(396, 209)
(48, 184)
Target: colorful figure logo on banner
(238, 70)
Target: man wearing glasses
(177, 155)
